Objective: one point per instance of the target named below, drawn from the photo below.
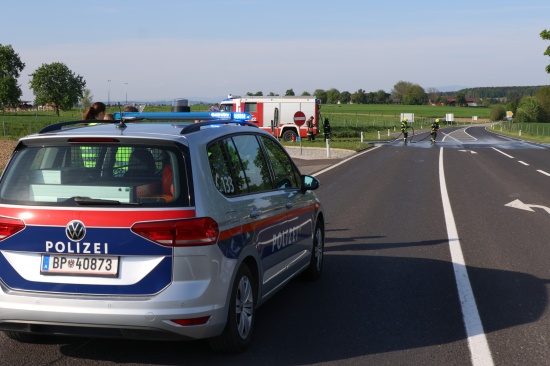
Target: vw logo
(75, 230)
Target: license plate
(79, 265)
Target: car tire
(237, 335)
(24, 337)
(289, 136)
(313, 272)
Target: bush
(529, 110)
(497, 113)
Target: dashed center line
(543, 172)
(524, 163)
(503, 153)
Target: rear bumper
(136, 318)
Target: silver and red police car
(152, 230)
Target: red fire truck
(277, 114)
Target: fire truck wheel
(289, 136)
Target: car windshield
(95, 174)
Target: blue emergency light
(190, 116)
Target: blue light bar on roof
(190, 116)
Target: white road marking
(477, 342)
(543, 172)
(345, 161)
(503, 153)
(524, 163)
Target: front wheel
(313, 272)
(237, 335)
(289, 136)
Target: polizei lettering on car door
(285, 238)
(77, 248)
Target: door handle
(255, 213)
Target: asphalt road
(398, 287)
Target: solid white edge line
(503, 153)
(345, 160)
(477, 342)
(543, 172)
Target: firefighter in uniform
(310, 129)
(404, 127)
(435, 128)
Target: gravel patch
(6, 148)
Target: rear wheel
(237, 334)
(313, 272)
(289, 136)
(24, 337)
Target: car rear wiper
(86, 201)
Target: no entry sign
(299, 118)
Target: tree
(415, 95)
(359, 97)
(529, 110)
(399, 90)
(345, 97)
(321, 95)
(333, 95)
(433, 94)
(497, 113)
(10, 69)
(382, 97)
(290, 93)
(545, 35)
(461, 99)
(87, 99)
(305, 93)
(543, 96)
(57, 85)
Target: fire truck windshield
(226, 108)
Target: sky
(146, 51)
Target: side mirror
(309, 183)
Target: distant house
(24, 105)
(469, 101)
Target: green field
(349, 122)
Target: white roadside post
(328, 147)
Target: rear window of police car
(104, 173)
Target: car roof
(154, 130)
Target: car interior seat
(141, 164)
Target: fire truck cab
(277, 115)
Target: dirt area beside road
(6, 148)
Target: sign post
(299, 120)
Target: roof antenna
(121, 125)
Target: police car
(164, 230)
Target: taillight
(179, 233)
(8, 227)
(192, 321)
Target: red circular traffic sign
(299, 118)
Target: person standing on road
(404, 127)
(435, 128)
(310, 129)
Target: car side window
(220, 167)
(253, 162)
(238, 166)
(286, 174)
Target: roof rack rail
(58, 126)
(194, 127)
(182, 116)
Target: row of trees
(52, 84)
(534, 108)
(413, 94)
